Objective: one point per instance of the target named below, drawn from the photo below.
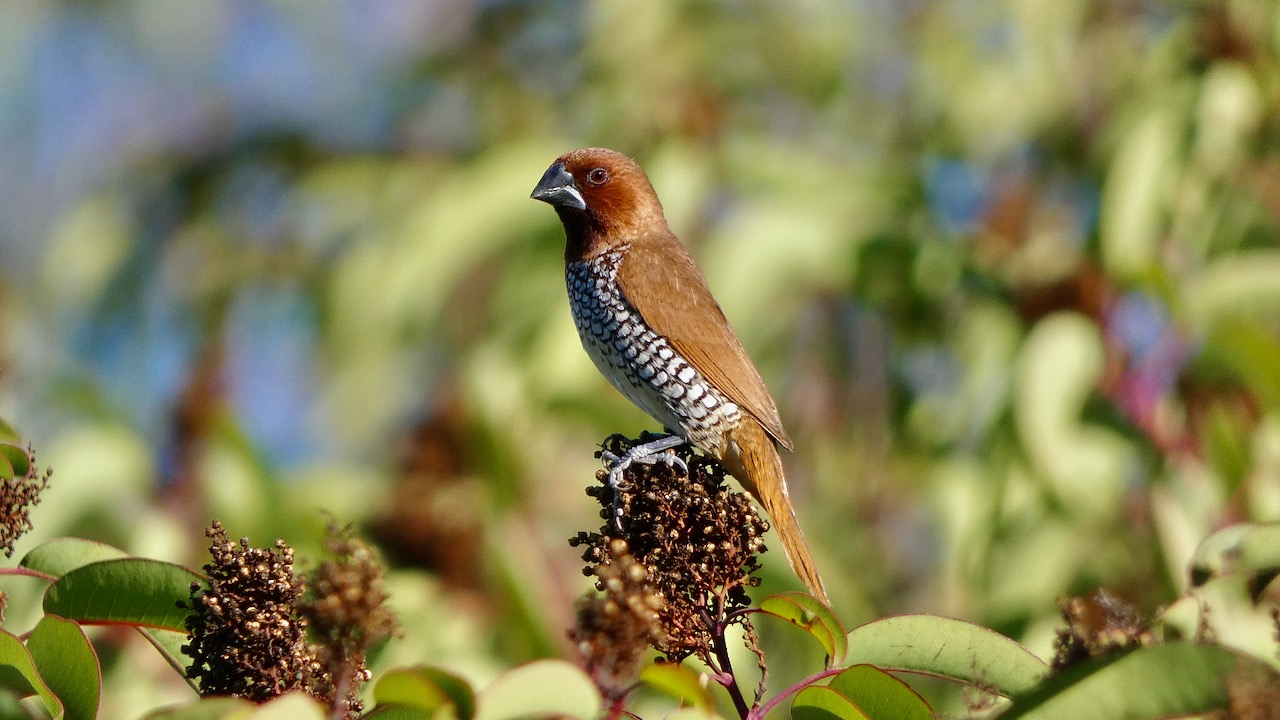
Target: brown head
(603, 199)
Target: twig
(28, 572)
(726, 677)
(762, 711)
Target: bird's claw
(617, 465)
(645, 454)
(673, 460)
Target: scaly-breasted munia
(648, 321)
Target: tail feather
(753, 459)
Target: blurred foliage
(1011, 269)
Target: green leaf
(861, 692)
(428, 689)
(133, 591)
(543, 688)
(18, 673)
(68, 665)
(11, 706)
(62, 555)
(880, 695)
(819, 702)
(679, 682)
(211, 708)
(813, 617)
(1159, 681)
(6, 468)
(948, 648)
(17, 459)
(7, 433)
(1247, 547)
(1224, 608)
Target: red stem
(28, 572)
(726, 677)
(616, 708)
(763, 711)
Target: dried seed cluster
(17, 496)
(247, 639)
(249, 628)
(613, 630)
(345, 606)
(696, 540)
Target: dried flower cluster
(613, 630)
(247, 639)
(249, 627)
(18, 495)
(696, 540)
(1096, 626)
(345, 606)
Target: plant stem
(763, 711)
(338, 706)
(726, 677)
(616, 707)
(28, 572)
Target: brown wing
(667, 289)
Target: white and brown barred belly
(640, 363)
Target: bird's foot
(648, 453)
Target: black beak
(558, 189)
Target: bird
(648, 321)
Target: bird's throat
(584, 238)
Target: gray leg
(645, 453)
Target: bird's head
(602, 197)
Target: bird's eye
(598, 176)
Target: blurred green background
(1010, 268)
